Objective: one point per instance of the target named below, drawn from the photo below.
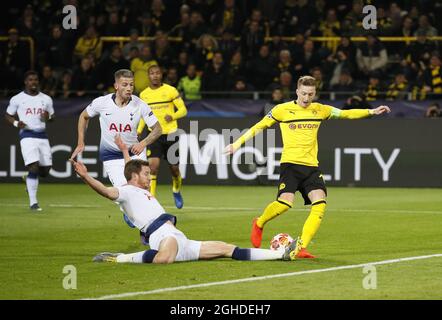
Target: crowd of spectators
(226, 46)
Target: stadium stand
(239, 48)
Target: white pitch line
(66, 205)
(282, 275)
(54, 205)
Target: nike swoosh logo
(108, 114)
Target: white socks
(265, 254)
(32, 186)
(136, 257)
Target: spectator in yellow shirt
(89, 43)
(139, 67)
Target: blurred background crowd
(220, 48)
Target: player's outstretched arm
(153, 135)
(265, 123)
(110, 193)
(353, 114)
(83, 121)
(380, 110)
(123, 148)
(14, 122)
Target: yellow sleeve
(265, 123)
(140, 128)
(79, 47)
(276, 114)
(349, 114)
(326, 111)
(179, 104)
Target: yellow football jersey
(299, 129)
(163, 101)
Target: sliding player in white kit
(33, 109)
(119, 113)
(167, 243)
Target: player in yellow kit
(168, 106)
(299, 122)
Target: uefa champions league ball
(280, 242)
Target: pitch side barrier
(241, 107)
(368, 153)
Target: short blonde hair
(308, 81)
(123, 73)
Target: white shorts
(115, 169)
(188, 250)
(36, 150)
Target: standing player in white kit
(33, 109)
(120, 114)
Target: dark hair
(30, 73)
(276, 89)
(153, 66)
(134, 166)
(123, 73)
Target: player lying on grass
(299, 121)
(167, 243)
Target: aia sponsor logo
(118, 127)
(34, 111)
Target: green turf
(361, 225)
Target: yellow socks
(313, 222)
(153, 184)
(272, 210)
(176, 183)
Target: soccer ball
(280, 241)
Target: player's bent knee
(164, 258)
(175, 170)
(44, 171)
(33, 167)
(167, 251)
(154, 165)
(287, 196)
(317, 195)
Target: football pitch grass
(360, 226)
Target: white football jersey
(29, 110)
(121, 120)
(139, 205)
